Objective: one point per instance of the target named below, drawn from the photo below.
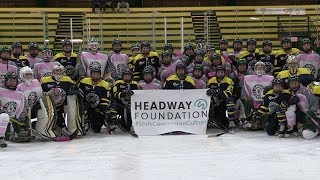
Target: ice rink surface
(244, 155)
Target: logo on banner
(70, 71)
(257, 91)
(93, 99)
(10, 108)
(201, 103)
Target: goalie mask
(260, 68)
(57, 72)
(26, 75)
(292, 64)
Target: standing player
(45, 68)
(68, 59)
(33, 54)
(5, 64)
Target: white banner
(157, 112)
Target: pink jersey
(310, 60)
(200, 83)
(43, 69)
(89, 60)
(117, 63)
(32, 93)
(254, 86)
(33, 61)
(168, 71)
(205, 65)
(4, 68)
(11, 102)
(154, 84)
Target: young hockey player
(5, 64)
(221, 91)
(267, 56)
(68, 59)
(117, 61)
(17, 56)
(32, 56)
(308, 58)
(96, 99)
(179, 80)
(93, 58)
(45, 68)
(146, 58)
(149, 82)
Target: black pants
(126, 121)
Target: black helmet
(147, 70)
(16, 44)
(223, 41)
(293, 78)
(116, 41)
(10, 75)
(5, 48)
(134, 46)
(266, 42)
(167, 46)
(220, 68)
(188, 46)
(216, 56)
(198, 67)
(181, 66)
(66, 42)
(286, 39)
(166, 53)
(145, 44)
(46, 49)
(126, 71)
(199, 53)
(33, 45)
(241, 62)
(251, 41)
(211, 47)
(238, 40)
(277, 81)
(305, 40)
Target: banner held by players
(157, 112)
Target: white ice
(244, 155)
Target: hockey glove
(295, 99)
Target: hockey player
(223, 47)
(45, 68)
(308, 58)
(32, 56)
(96, 99)
(65, 101)
(304, 74)
(304, 106)
(267, 56)
(17, 56)
(209, 55)
(199, 77)
(13, 104)
(122, 92)
(168, 67)
(135, 50)
(272, 110)
(180, 80)
(221, 89)
(198, 60)
(251, 54)
(237, 47)
(5, 64)
(282, 54)
(68, 59)
(188, 54)
(238, 77)
(254, 86)
(146, 58)
(93, 58)
(217, 61)
(168, 47)
(117, 61)
(149, 82)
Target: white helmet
(93, 44)
(260, 71)
(26, 75)
(58, 71)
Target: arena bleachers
(25, 24)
